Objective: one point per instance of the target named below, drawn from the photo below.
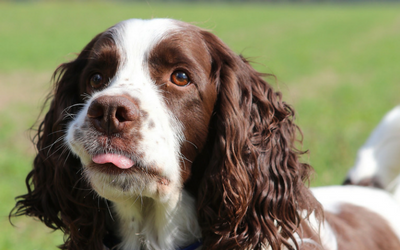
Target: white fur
(158, 225)
(380, 155)
(323, 229)
(147, 215)
(160, 146)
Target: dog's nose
(112, 114)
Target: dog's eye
(180, 78)
(96, 81)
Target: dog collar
(192, 246)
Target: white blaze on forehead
(160, 143)
(137, 37)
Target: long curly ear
(253, 188)
(57, 195)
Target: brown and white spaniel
(158, 136)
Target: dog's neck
(145, 223)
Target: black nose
(112, 114)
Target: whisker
(71, 106)
(66, 158)
(76, 183)
(55, 151)
(66, 110)
(55, 142)
(194, 145)
(57, 131)
(86, 96)
(109, 210)
(184, 157)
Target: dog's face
(149, 96)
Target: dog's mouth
(119, 161)
(115, 164)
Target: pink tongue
(118, 160)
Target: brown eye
(180, 78)
(96, 81)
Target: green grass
(338, 65)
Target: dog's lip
(114, 164)
(120, 161)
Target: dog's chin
(118, 185)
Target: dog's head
(149, 97)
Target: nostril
(97, 115)
(96, 110)
(120, 115)
(126, 113)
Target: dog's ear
(57, 193)
(253, 188)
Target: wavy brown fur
(57, 194)
(254, 177)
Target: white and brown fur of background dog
(378, 160)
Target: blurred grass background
(338, 65)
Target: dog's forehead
(136, 38)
